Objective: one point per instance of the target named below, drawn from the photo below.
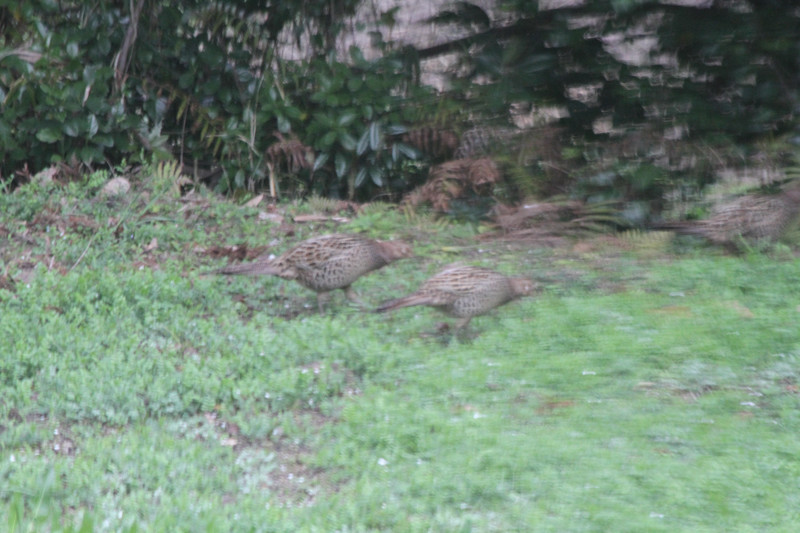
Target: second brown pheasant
(464, 292)
(326, 263)
(753, 217)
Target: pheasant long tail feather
(255, 268)
(406, 301)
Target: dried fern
(454, 180)
(423, 219)
(647, 242)
(436, 143)
(290, 155)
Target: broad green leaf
(90, 153)
(375, 137)
(49, 135)
(341, 165)
(396, 129)
(89, 74)
(347, 141)
(361, 176)
(103, 140)
(294, 112)
(321, 160)
(72, 127)
(354, 84)
(284, 126)
(212, 55)
(346, 118)
(408, 151)
(328, 139)
(376, 173)
(92, 125)
(186, 79)
(363, 143)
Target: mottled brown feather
(751, 217)
(464, 292)
(327, 262)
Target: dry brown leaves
(290, 154)
(453, 180)
(436, 143)
(48, 218)
(236, 252)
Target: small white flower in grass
(656, 515)
(267, 396)
(478, 415)
(382, 461)
(589, 373)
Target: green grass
(634, 393)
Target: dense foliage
(715, 67)
(210, 84)
(636, 78)
(109, 81)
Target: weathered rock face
(411, 27)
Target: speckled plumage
(464, 292)
(750, 217)
(327, 262)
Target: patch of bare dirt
(295, 481)
(236, 252)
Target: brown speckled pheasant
(327, 263)
(751, 217)
(464, 292)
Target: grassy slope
(633, 394)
